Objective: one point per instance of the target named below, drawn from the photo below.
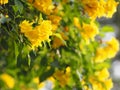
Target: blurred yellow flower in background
(8, 80)
(3, 2)
(76, 22)
(109, 84)
(103, 74)
(101, 80)
(110, 8)
(100, 8)
(44, 6)
(112, 47)
(101, 55)
(91, 7)
(63, 77)
(55, 21)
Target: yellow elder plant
(55, 45)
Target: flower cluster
(87, 31)
(37, 34)
(99, 81)
(55, 45)
(99, 8)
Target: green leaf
(107, 28)
(19, 5)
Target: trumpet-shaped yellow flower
(89, 31)
(8, 80)
(101, 55)
(111, 47)
(38, 34)
(3, 2)
(99, 81)
(44, 6)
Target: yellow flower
(38, 34)
(83, 83)
(26, 26)
(55, 21)
(36, 80)
(101, 55)
(110, 8)
(3, 2)
(109, 84)
(44, 6)
(109, 51)
(100, 80)
(91, 7)
(62, 77)
(76, 22)
(103, 74)
(9, 81)
(112, 47)
(100, 8)
(95, 84)
(89, 31)
(41, 85)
